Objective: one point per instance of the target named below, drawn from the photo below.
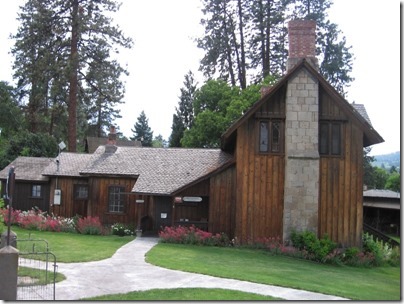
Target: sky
(164, 51)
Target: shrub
(33, 219)
(320, 250)
(193, 236)
(382, 252)
(373, 247)
(121, 229)
(14, 215)
(395, 257)
(90, 225)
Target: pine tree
(267, 50)
(142, 131)
(184, 116)
(260, 27)
(224, 41)
(334, 55)
(63, 65)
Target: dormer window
(270, 136)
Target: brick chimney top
(111, 136)
(302, 42)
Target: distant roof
(381, 193)
(94, 142)
(360, 108)
(28, 168)
(70, 164)
(158, 170)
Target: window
(330, 138)
(36, 191)
(270, 138)
(81, 192)
(116, 200)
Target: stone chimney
(302, 161)
(302, 42)
(111, 142)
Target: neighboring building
(292, 161)
(381, 210)
(31, 187)
(92, 143)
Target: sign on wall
(193, 199)
(57, 197)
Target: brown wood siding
(341, 190)
(328, 109)
(67, 206)
(341, 181)
(22, 197)
(199, 189)
(260, 186)
(98, 201)
(222, 202)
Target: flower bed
(36, 219)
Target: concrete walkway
(127, 271)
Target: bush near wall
(306, 245)
(35, 219)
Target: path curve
(127, 271)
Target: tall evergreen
(246, 40)
(142, 131)
(184, 116)
(64, 67)
(334, 54)
(223, 41)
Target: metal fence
(36, 270)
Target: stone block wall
(302, 173)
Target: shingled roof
(28, 168)
(159, 171)
(70, 164)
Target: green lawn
(380, 283)
(185, 294)
(72, 247)
(41, 277)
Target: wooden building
(382, 209)
(31, 187)
(293, 161)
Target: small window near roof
(36, 191)
(263, 136)
(270, 136)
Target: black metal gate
(36, 270)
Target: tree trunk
(228, 47)
(266, 41)
(242, 67)
(72, 106)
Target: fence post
(9, 270)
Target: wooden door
(163, 211)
